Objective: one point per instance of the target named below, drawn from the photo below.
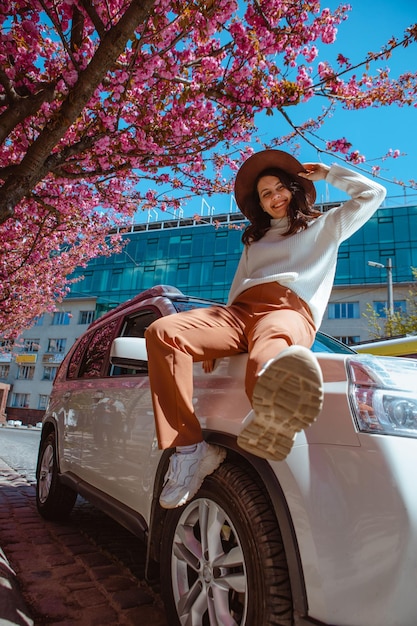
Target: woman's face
(273, 196)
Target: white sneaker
(186, 473)
(287, 398)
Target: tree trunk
(33, 166)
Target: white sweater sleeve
(365, 194)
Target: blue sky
(373, 131)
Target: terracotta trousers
(262, 321)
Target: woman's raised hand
(315, 171)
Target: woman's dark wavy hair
(300, 210)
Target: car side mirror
(129, 352)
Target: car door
(117, 436)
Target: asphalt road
(19, 449)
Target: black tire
(222, 555)
(53, 499)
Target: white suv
(328, 536)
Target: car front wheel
(222, 556)
(53, 499)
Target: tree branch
(17, 111)
(94, 17)
(33, 166)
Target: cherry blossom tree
(107, 104)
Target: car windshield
(322, 343)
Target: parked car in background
(14, 423)
(405, 346)
(328, 536)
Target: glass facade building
(200, 257)
(197, 257)
(390, 233)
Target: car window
(77, 355)
(136, 325)
(96, 352)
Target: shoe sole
(213, 459)
(287, 398)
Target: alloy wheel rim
(45, 473)
(208, 567)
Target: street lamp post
(388, 267)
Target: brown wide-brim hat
(260, 161)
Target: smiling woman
(274, 196)
(276, 303)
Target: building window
(6, 345)
(86, 317)
(4, 370)
(26, 372)
(381, 307)
(220, 243)
(39, 320)
(186, 246)
(349, 340)
(20, 400)
(43, 402)
(56, 345)
(183, 272)
(87, 281)
(219, 268)
(343, 310)
(61, 318)
(116, 279)
(49, 372)
(31, 345)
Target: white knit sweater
(305, 262)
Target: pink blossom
(339, 145)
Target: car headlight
(383, 394)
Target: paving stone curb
(53, 574)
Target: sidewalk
(53, 574)
(13, 609)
